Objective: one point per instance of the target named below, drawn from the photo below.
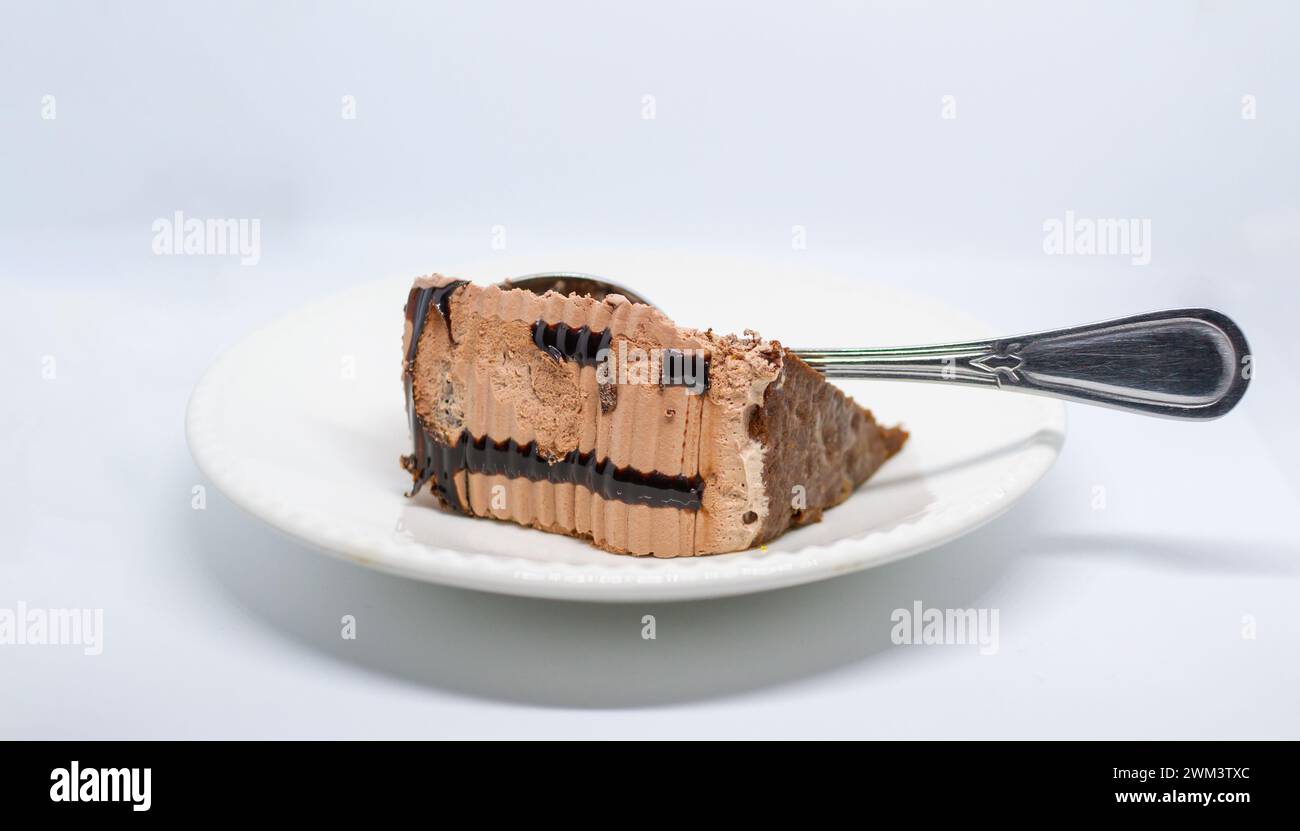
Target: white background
(1125, 621)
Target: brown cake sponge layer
(818, 447)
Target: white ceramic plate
(302, 424)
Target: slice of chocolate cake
(600, 418)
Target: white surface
(1122, 621)
(299, 425)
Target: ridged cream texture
(490, 378)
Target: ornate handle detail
(1183, 363)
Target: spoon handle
(1182, 363)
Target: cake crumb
(608, 394)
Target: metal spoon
(1181, 363)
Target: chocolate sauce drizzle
(514, 461)
(565, 344)
(434, 459)
(673, 371)
(584, 347)
(418, 303)
(417, 313)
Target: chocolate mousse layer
(598, 417)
